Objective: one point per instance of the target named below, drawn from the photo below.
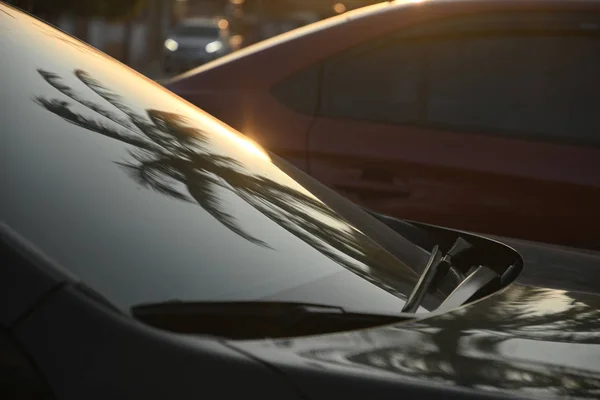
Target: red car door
(484, 123)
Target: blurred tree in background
(109, 9)
(82, 11)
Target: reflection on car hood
(557, 266)
(147, 199)
(530, 340)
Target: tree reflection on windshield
(170, 149)
(497, 344)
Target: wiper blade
(257, 319)
(426, 280)
(436, 269)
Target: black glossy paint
(114, 177)
(529, 340)
(148, 199)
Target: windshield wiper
(428, 277)
(256, 319)
(436, 269)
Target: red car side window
(531, 86)
(523, 75)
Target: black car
(148, 251)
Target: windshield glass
(196, 30)
(148, 199)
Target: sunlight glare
(247, 144)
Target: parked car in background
(479, 115)
(194, 42)
(148, 251)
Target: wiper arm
(256, 319)
(437, 268)
(426, 280)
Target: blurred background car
(481, 115)
(134, 31)
(194, 42)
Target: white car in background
(194, 42)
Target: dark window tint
(521, 22)
(526, 75)
(380, 82)
(543, 87)
(18, 379)
(300, 91)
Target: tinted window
(544, 87)
(380, 82)
(300, 91)
(521, 74)
(18, 379)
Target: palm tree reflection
(465, 347)
(474, 346)
(171, 150)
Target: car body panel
(537, 338)
(110, 174)
(199, 189)
(535, 190)
(538, 191)
(527, 340)
(24, 278)
(88, 351)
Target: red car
(478, 115)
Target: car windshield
(196, 30)
(147, 199)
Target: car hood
(146, 198)
(539, 337)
